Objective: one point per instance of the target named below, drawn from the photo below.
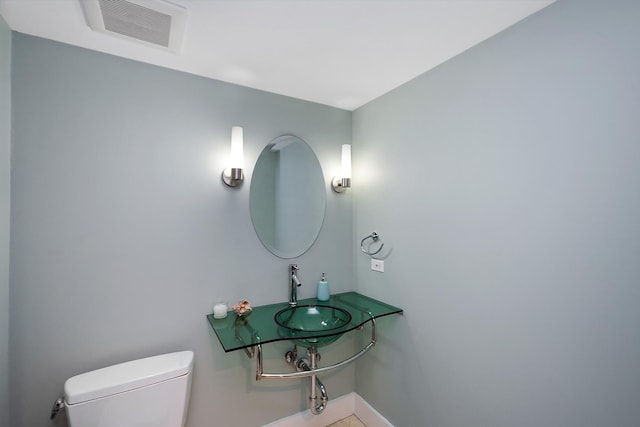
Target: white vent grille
(135, 21)
(156, 22)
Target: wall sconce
(342, 182)
(233, 175)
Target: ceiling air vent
(156, 22)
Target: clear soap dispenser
(323, 289)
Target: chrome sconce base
(233, 177)
(340, 185)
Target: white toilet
(151, 392)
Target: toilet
(142, 393)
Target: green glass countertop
(259, 327)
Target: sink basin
(305, 320)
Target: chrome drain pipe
(316, 384)
(313, 399)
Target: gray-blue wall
(5, 200)
(124, 235)
(506, 185)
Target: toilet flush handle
(57, 407)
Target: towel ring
(373, 236)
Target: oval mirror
(287, 198)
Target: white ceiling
(341, 53)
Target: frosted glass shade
(345, 169)
(237, 156)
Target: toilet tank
(151, 392)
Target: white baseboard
(367, 413)
(337, 409)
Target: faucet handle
(293, 268)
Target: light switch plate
(377, 265)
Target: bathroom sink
(307, 321)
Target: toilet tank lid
(127, 376)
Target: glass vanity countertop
(260, 327)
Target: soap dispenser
(323, 289)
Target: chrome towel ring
(375, 237)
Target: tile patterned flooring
(351, 421)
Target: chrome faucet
(294, 284)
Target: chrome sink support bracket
(303, 374)
(249, 351)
